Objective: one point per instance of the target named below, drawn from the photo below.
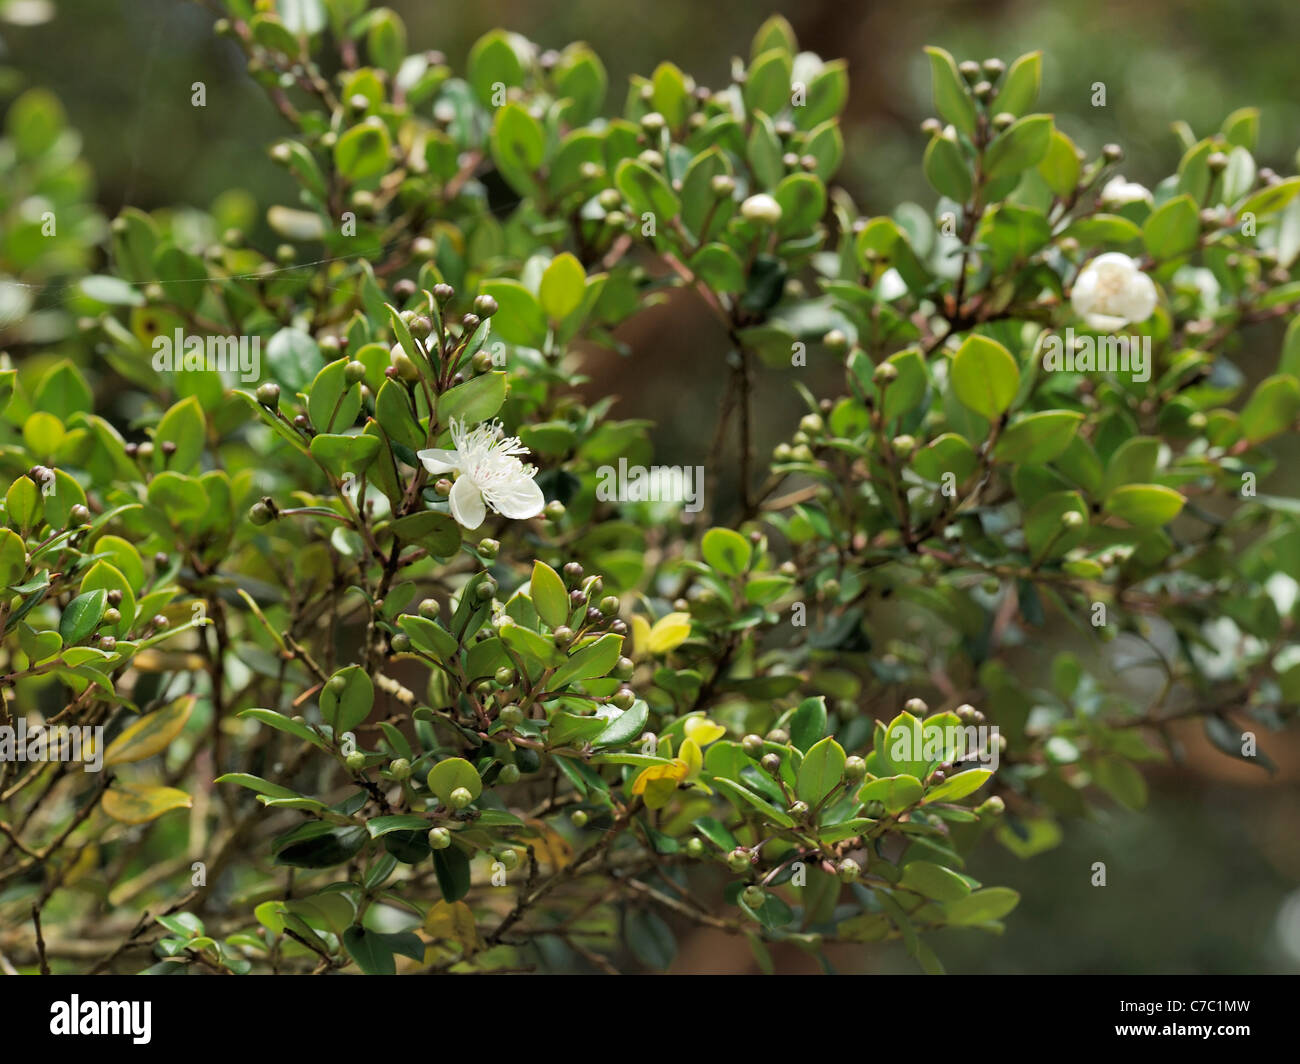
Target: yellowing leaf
(675, 771)
(455, 922)
(703, 730)
(640, 636)
(137, 803)
(690, 755)
(550, 848)
(669, 633)
(151, 734)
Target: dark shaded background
(1207, 879)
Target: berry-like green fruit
(439, 838)
(508, 774)
(509, 858)
(459, 798)
(579, 818)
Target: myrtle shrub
(344, 631)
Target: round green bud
(562, 636)
(107, 642)
(442, 486)
(849, 870)
(1071, 519)
(623, 669)
(508, 857)
(268, 394)
(511, 715)
(916, 707)
(489, 548)
(485, 589)
(752, 745)
(779, 736)
(579, 818)
(459, 798)
(771, 762)
(354, 372)
(429, 608)
(401, 643)
(554, 510)
(970, 70)
(355, 761)
(78, 516)
(508, 774)
(609, 605)
(400, 768)
(653, 122)
(753, 896)
(799, 810)
(903, 445)
(991, 806)
(695, 846)
(506, 676)
(623, 698)
(111, 616)
(992, 585)
(1112, 153)
(854, 768)
(260, 513)
(439, 838)
(738, 860)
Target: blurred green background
(1207, 879)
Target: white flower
(488, 473)
(1119, 192)
(1111, 292)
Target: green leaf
(1271, 199)
(370, 950)
(453, 773)
(1134, 462)
(478, 399)
(1019, 87)
(896, 792)
(361, 154)
(1121, 780)
(991, 903)
(626, 727)
(934, 881)
(82, 616)
(808, 722)
(518, 146)
(563, 286)
(1144, 505)
(728, 552)
(951, 99)
(985, 377)
(946, 168)
(959, 786)
(1172, 229)
(548, 594)
(767, 85)
(1018, 147)
(1272, 409)
(593, 660)
(280, 722)
(493, 63)
(646, 192)
(821, 771)
(437, 532)
(519, 318)
(735, 791)
(1038, 438)
(347, 698)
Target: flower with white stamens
(1112, 291)
(488, 473)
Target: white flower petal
(467, 505)
(518, 499)
(440, 460)
(1105, 322)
